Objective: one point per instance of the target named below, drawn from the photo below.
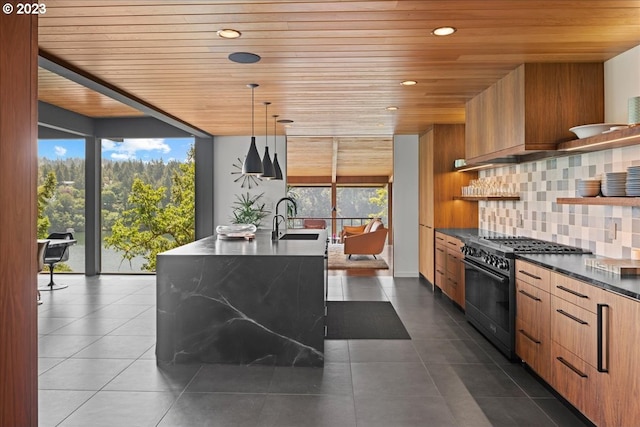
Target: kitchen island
(242, 302)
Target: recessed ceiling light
(244, 57)
(443, 31)
(228, 33)
(409, 83)
(392, 108)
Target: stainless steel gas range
(490, 283)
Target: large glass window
(355, 205)
(61, 194)
(312, 202)
(147, 201)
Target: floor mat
(348, 320)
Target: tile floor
(97, 368)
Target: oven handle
(494, 276)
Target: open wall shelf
(602, 201)
(485, 198)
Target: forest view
(352, 202)
(147, 206)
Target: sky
(144, 149)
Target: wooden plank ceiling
(331, 66)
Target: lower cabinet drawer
(577, 381)
(535, 350)
(441, 280)
(532, 307)
(576, 329)
(441, 256)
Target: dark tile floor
(97, 368)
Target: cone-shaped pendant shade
(276, 167)
(252, 164)
(267, 166)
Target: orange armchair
(354, 230)
(369, 243)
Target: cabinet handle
(573, 368)
(453, 243)
(529, 337)
(533, 276)
(439, 250)
(603, 338)
(572, 317)
(438, 271)
(439, 238)
(571, 291)
(527, 294)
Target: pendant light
(267, 166)
(276, 164)
(252, 164)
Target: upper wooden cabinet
(532, 109)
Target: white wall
(621, 82)
(405, 205)
(226, 150)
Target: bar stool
(42, 249)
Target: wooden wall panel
(18, 166)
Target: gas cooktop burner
(534, 246)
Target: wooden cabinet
(575, 321)
(532, 109)
(583, 340)
(533, 329)
(426, 252)
(437, 185)
(621, 340)
(449, 269)
(577, 381)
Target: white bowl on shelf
(585, 131)
(589, 187)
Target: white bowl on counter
(585, 131)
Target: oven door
(488, 304)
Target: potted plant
(248, 210)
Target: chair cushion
(368, 227)
(375, 225)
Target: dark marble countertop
(574, 266)
(260, 246)
(571, 265)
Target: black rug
(349, 320)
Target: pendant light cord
(275, 142)
(252, 112)
(266, 135)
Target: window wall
(147, 201)
(357, 204)
(61, 194)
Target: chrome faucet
(275, 235)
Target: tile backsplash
(538, 215)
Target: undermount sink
(301, 236)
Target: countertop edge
(598, 278)
(600, 283)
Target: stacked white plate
(589, 187)
(633, 181)
(615, 184)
